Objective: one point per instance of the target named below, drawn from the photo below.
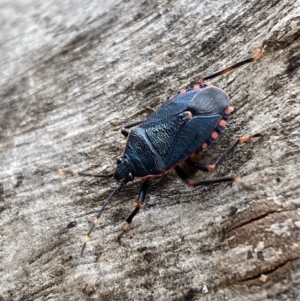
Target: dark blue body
(169, 135)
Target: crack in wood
(255, 219)
(278, 270)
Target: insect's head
(123, 171)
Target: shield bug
(186, 124)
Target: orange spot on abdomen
(227, 111)
(214, 135)
(204, 145)
(222, 123)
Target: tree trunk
(72, 74)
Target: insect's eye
(130, 177)
(119, 160)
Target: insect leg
(96, 220)
(139, 204)
(125, 128)
(256, 56)
(212, 167)
(76, 173)
(181, 173)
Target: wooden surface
(71, 74)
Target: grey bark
(71, 74)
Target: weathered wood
(71, 75)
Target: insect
(181, 128)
